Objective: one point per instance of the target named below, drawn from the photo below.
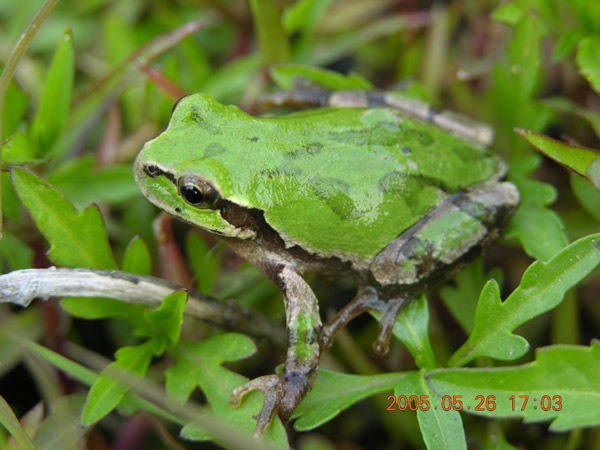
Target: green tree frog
(389, 196)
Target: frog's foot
(274, 392)
(367, 300)
(283, 393)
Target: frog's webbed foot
(283, 393)
(271, 386)
(366, 300)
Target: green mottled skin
(359, 172)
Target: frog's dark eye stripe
(197, 191)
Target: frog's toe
(386, 325)
(283, 393)
(365, 300)
(272, 386)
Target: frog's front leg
(285, 391)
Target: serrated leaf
(461, 300)
(567, 376)
(137, 257)
(584, 161)
(587, 194)
(411, 327)
(542, 287)
(304, 15)
(440, 429)
(165, 322)
(107, 392)
(56, 99)
(285, 76)
(538, 228)
(200, 364)
(334, 392)
(588, 60)
(76, 239)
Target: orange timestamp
(481, 403)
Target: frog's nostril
(152, 170)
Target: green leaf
(461, 300)
(95, 308)
(566, 43)
(56, 99)
(440, 429)
(274, 46)
(285, 76)
(228, 83)
(199, 364)
(13, 110)
(334, 392)
(204, 261)
(304, 15)
(27, 324)
(524, 55)
(89, 377)
(137, 257)
(588, 60)
(30, 421)
(587, 194)
(76, 239)
(9, 421)
(165, 321)
(11, 205)
(538, 228)
(18, 150)
(584, 161)
(566, 371)
(542, 287)
(107, 392)
(509, 13)
(411, 328)
(14, 253)
(83, 184)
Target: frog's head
(183, 170)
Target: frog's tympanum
(371, 193)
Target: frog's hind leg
(285, 391)
(368, 299)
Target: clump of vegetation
(510, 338)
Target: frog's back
(335, 181)
(350, 181)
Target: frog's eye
(197, 191)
